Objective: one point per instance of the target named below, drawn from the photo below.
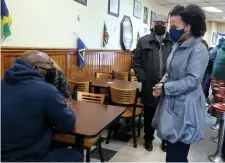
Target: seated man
(31, 108)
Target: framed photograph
(114, 7)
(145, 18)
(214, 38)
(137, 9)
(83, 2)
(126, 33)
(153, 15)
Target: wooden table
(101, 83)
(92, 119)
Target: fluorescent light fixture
(211, 9)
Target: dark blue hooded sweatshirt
(30, 109)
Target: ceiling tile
(221, 8)
(161, 2)
(176, 1)
(217, 3)
(215, 0)
(194, 1)
(203, 4)
(220, 4)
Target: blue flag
(81, 52)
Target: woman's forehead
(176, 20)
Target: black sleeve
(138, 65)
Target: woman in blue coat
(219, 65)
(179, 118)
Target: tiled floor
(118, 151)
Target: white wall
(51, 23)
(211, 28)
(221, 27)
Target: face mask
(159, 30)
(176, 34)
(51, 75)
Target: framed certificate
(114, 7)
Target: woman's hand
(157, 90)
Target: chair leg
(134, 133)
(109, 135)
(139, 126)
(88, 155)
(100, 151)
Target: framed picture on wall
(153, 15)
(145, 18)
(83, 2)
(214, 38)
(114, 7)
(137, 9)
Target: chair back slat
(90, 97)
(134, 79)
(123, 96)
(121, 75)
(100, 75)
(83, 86)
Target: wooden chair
(133, 79)
(83, 86)
(91, 97)
(132, 73)
(121, 75)
(139, 102)
(88, 142)
(105, 76)
(72, 87)
(127, 98)
(100, 75)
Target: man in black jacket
(149, 64)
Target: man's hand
(69, 104)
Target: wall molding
(96, 60)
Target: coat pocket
(179, 105)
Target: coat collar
(189, 42)
(152, 37)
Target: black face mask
(159, 30)
(51, 74)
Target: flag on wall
(105, 36)
(6, 20)
(138, 37)
(81, 52)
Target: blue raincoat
(181, 109)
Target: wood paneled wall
(95, 61)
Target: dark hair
(205, 43)
(176, 10)
(194, 16)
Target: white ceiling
(217, 17)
